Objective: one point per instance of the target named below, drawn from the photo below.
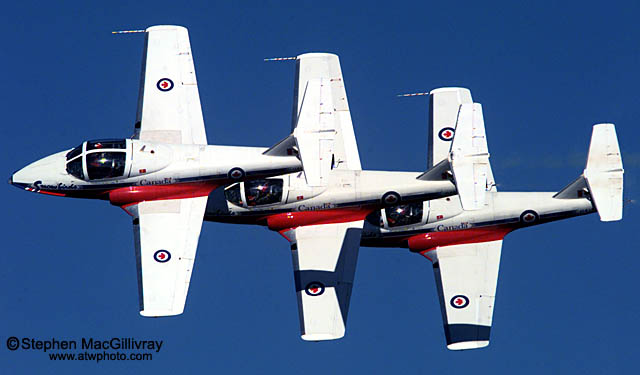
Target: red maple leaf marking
(313, 290)
(161, 255)
(164, 84)
(458, 301)
(447, 134)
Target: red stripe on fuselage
(426, 242)
(135, 194)
(289, 220)
(51, 193)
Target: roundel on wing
(314, 288)
(164, 84)
(162, 256)
(529, 217)
(391, 198)
(236, 173)
(459, 302)
(446, 134)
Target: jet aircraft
(168, 179)
(462, 235)
(164, 174)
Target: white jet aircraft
(163, 175)
(461, 235)
(323, 217)
(465, 246)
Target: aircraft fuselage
(440, 221)
(130, 170)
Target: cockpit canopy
(404, 214)
(256, 192)
(98, 159)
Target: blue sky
(544, 72)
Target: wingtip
(160, 313)
(321, 336)
(467, 345)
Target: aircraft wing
(466, 278)
(169, 108)
(326, 66)
(166, 236)
(324, 265)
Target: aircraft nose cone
(47, 169)
(15, 181)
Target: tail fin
(315, 131)
(313, 137)
(467, 160)
(604, 172)
(469, 157)
(603, 175)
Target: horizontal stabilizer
(315, 131)
(604, 172)
(602, 179)
(469, 157)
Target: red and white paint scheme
(311, 189)
(465, 245)
(461, 234)
(323, 217)
(164, 174)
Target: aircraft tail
(602, 179)
(467, 163)
(313, 137)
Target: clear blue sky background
(545, 72)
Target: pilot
(263, 192)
